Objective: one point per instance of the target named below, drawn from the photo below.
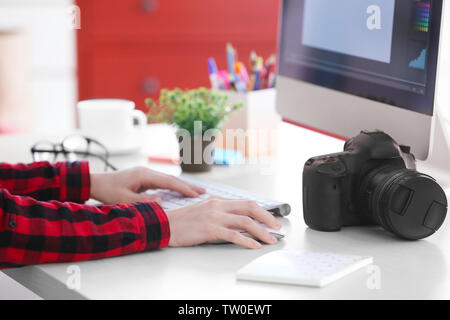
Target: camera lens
(405, 202)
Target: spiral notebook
(302, 268)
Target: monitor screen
(383, 50)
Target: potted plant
(198, 116)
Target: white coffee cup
(113, 122)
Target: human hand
(128, 186)
(218, 219)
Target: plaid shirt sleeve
(34, 232)
(43, 181)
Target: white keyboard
(173, 199)
(302, 268)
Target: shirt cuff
(75, 180)
(155, 226)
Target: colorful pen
(223, 76)
(213, 74)
(230, 58)
(270, 69)
(241, 70)
(258, 69)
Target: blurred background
(54, 53)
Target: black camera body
(373, 182)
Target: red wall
(132, 48)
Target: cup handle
(139, 120)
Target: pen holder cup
(251, 129)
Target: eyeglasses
(72, 148)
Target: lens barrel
(405, 202)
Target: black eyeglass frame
(59, 148)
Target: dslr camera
(373, 182)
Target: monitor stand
(438, 163)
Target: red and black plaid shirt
(42, 218)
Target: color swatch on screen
(419, 63)
(421, 18)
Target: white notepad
(302, 268)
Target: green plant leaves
(183, 108)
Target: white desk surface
(409, 270)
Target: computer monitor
(352, 65)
